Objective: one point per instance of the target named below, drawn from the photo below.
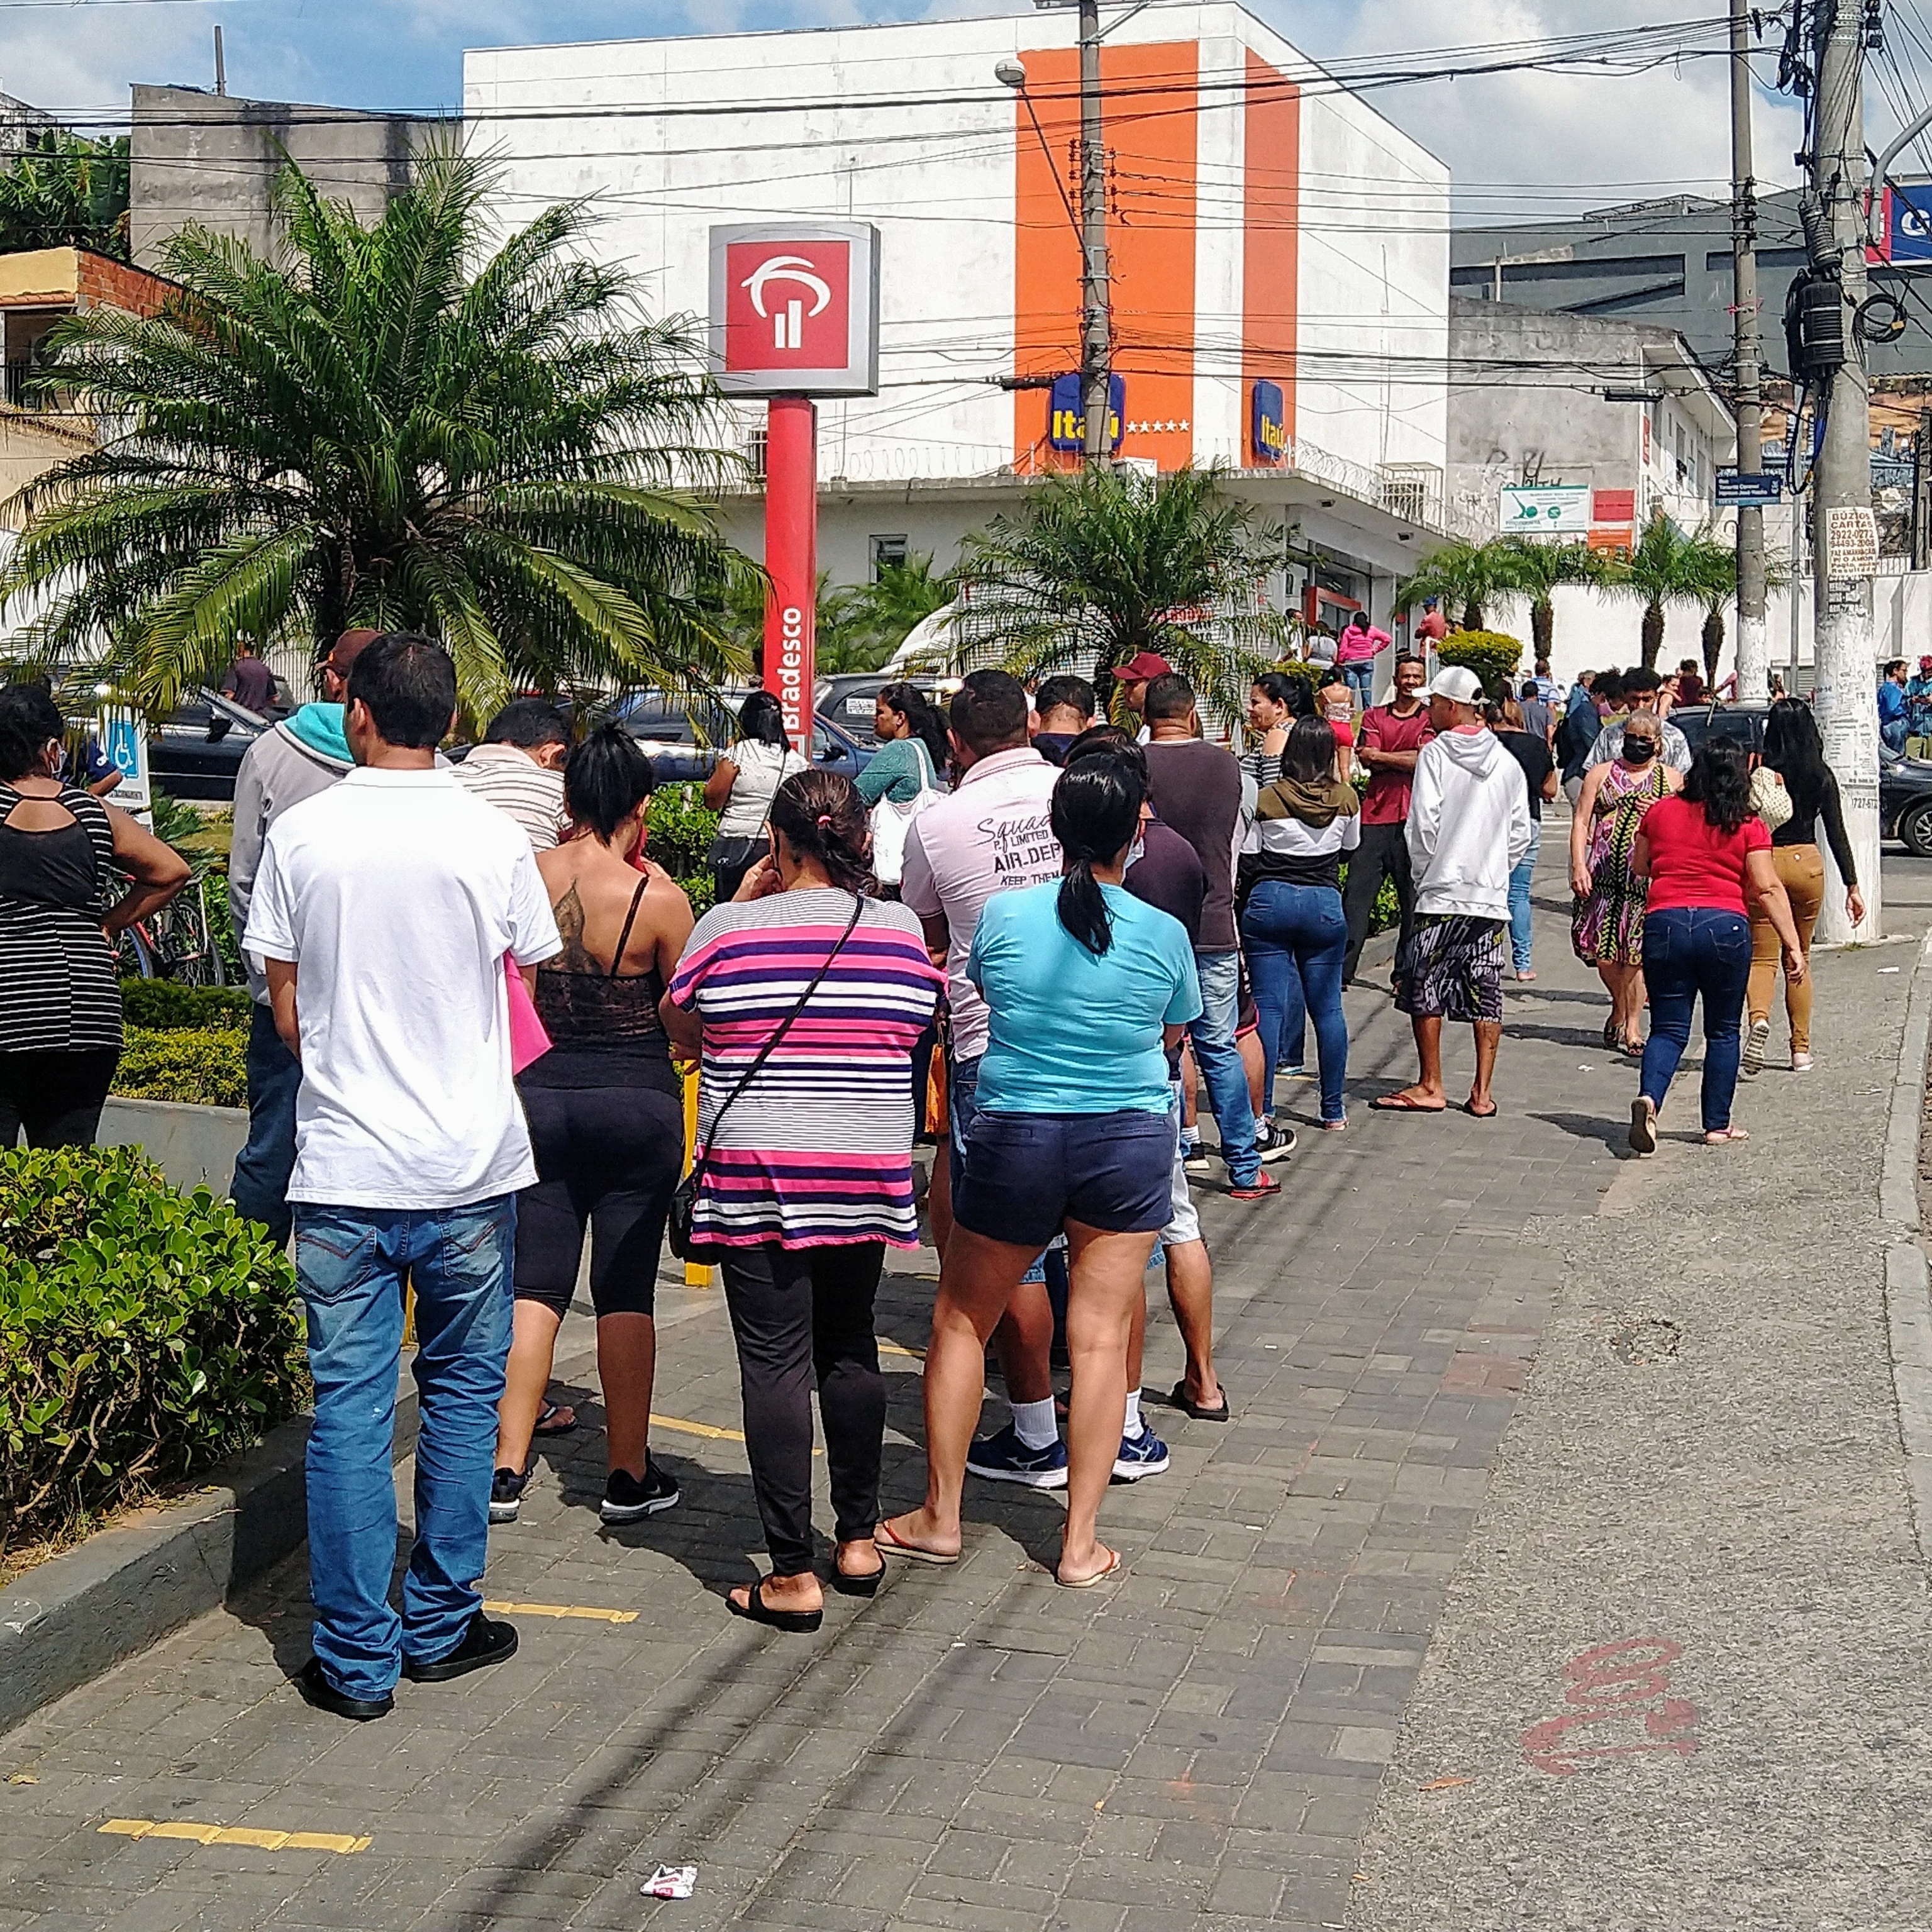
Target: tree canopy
(62, 191)
(416, 424)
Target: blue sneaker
(1142, 1455)
(1004, 1458)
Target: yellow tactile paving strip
(236, 1834)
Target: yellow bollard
(697, 1274)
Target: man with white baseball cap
(1468, 825)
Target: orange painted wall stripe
(1151, 140)
(1271, 256)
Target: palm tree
(1535, 570)
(62, 191)
(1721, 589)
(401, 426)
(1668, 567)
(1101, 564)
(1471, 574)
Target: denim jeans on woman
(1219, 1060)
(1687, 951)
(1299, 934)
(1519, 899)
(1361, 676)
(351, 1263)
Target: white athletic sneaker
(1801, 1062)
(1756, 1038)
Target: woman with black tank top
(61, 851)
(606, 1125)
(1793, 749)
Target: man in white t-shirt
(382, 912)
(991, 836)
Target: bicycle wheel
(134, 958)
(183, 952)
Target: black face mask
(1640, 751)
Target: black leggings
(610, 1156)
(802, 1314)
(56, 1096)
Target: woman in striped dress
(807, 1177)
(60, 904)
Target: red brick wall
(107, 283)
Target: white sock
(1133, 1425)
(1034, 1422)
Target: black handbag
(684, 1197)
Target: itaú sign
(795, 308)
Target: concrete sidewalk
(1201, 1746)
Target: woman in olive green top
(912, 747)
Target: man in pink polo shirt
(990, 836)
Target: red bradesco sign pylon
(794, 315)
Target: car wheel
(1915, 829)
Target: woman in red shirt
(1706, 855)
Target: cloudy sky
(1510, 139)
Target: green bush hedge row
(162, 1004)
(145, 1334)
(207, 1065)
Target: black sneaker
(486, 1641)
(627, 1500)
(506, 1494)
(316, 1688)
(1275, 1143)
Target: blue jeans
(1219, 1061)
(351, 1263)
(1361, 680)
(1687, 951)
(1296, 938)
(1518, 898)
(260, 1187)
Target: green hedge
(1495, 656)
(162, 1004)
(144, 1334)
(207, 1065)
(681, 831)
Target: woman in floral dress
(1606, 923)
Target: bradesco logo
(791, 667)
(787, 304)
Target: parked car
(848, 699)
(680, 754)
(197, 749)
(1904, 784)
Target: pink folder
(528, 1040)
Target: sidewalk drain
(1642, 1343)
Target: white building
(1267, 228)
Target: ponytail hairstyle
(1096, 812)
(608, 777)
(909, 701)
(761, 718)
(823, 817)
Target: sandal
(547, 1424)
(1177, 1397)
(1612, 1032)
(756, 1610)
(1100, 1576)
(892, 1543)
(1476, 1113)
(864, 1583)
(1643, 1126)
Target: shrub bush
(144, 1333)
(681, 830)
(1493, 655)
(161, 1004)
(207, 1065)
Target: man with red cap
(1132, 679)
(307, 753)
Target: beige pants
(1800, 870)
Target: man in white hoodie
(1468, 826)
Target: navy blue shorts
(1027, 1173)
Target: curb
(79, 1614)
(76, 1615)
(1908, 1286)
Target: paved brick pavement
(1202, 1745)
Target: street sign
(795, 308)
(1541, 509)
(1746, 490)
(124, 744)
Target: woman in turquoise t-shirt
(912, 747)
(1085, 988)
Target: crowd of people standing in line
(1088, 925)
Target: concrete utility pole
(1096, 355)
(1844, 538)
(1753, 654)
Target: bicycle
(174, 943)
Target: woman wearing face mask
(1606, 923)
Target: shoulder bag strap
(630, 919)
(778, 1033)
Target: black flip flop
(546, 1424)
(1475, 1114)
(858, 1586)
(801, 1623)
(1178, 1398)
